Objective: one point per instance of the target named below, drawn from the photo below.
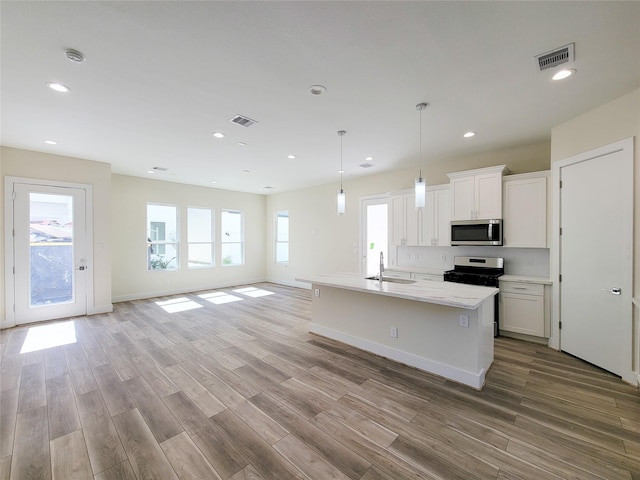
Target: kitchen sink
(391, 279)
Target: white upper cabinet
(525, 210)
(436, 230)
(477, 194)
(403, 221)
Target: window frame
(163, 243)
(277, 242)
(212, 243)
(223, 242)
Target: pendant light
(342, 200)
(421, 185)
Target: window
(282, 236)
(232, 235)
(162, 237)
(199, 237)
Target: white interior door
(375, 228)
(49, 252)
(596, 218)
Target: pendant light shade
(342, 199)
(342, 203)
(420, 192)
(421, 185)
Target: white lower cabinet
(523, 308)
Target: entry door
(50, 252)
(596, 217)
(375, 237)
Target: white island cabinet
(440, 327)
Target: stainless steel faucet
(381, 265)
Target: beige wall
(43, 166)
(321, 241)
(132, 280)
(606, 124)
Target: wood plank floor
(229, 384)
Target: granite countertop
(526, 279)
(441, 293)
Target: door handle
(614, 290)
(82, 267)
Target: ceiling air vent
(243, 121)
(366, 165)
(555, 57)
(160, 169)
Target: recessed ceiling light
(50, 142)
(469, 134)
(341, 171)
(58, 87)
(317, 90)
(242, 144)
(562, 74)
(291, 157)
(369, 158)
(151, 171)
(218, 134)
(246, 171)
(213, 182)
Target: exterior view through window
(162, 237)
(232, 237)
(282, 236)
(200, 237)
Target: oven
(482, 271)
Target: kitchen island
(440, 327)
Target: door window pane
(162, 237)
(232, 237)
(200, 237)
(51, 249)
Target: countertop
(441, 293)
(525, 279)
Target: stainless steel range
(483, 271)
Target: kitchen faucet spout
(381, 265)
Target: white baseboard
(475, 380)
(100, 309)
(181, 291)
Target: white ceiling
(160, 77)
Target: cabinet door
(462, 201)
(522, 313)
(525, 213)
(428, 220)
(442, 220)
(396, 221)
(411, 222)
(488, 196)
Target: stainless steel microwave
(476, 232)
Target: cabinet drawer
(522, 288)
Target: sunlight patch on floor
(175, 305)
(253, 292)
(219, 298)
(49, 336)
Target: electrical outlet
(443, 258)
(464, 321)
(394, 332)
(530, 261)
(316, 292)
